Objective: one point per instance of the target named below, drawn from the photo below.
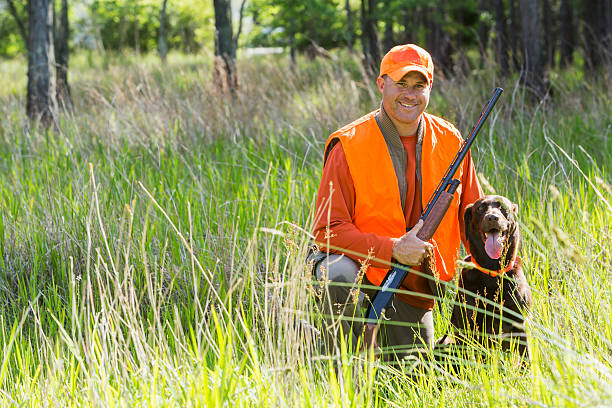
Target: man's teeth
(407, 105)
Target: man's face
(405, 100)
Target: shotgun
(432, 216)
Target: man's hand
(408, 249)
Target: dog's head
(492, 231)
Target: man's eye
(402, 84)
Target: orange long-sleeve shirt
(336, 207)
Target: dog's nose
(491, 218)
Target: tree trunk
(292, 56)
(240, 17)
(162, 46)
(483, 30)
(412, 19)
(438, 41)
(432, 38)
(514, 37)
(567, 35)
(369, 37)
(225, 74)
(388, 41)
(40, 102)
(501, 44)
(548, 35)
(350, 29)
(597, 32)
(62, 54)
(607, 24)
(136, 30)
(123, 28)
(534, 74)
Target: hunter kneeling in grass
(378, 174)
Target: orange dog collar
(490, 272)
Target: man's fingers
(417, 227)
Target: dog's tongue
(493, 245)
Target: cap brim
(399, 73)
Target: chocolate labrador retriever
(493, 295)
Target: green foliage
(462, 22)
(122, 24)
(11, 43)
(135, 24)
(457, 18)
(276, 22)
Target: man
(379, 172)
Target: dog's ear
(467, 215)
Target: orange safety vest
(378, 207)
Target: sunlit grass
(170, 271)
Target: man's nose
(409, 94)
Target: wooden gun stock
(435, 216)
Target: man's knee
(337, 268)
(341, 274)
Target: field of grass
(152, 244)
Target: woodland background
(526, 36)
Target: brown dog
(494, 295)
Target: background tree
(134, 10)
(501, 43)
(388, 40)
(483, 28)
(548, 34)
(350, 29)
(121, 25)
(455, 32)
(460, 32)
(225, 74)
(597, 32)
(438, 39)
(62, 55)
(369, 36)
(567, 33)
(412, 15)
(287, 23)
(40, 103)
(534, 74)
(514, 36)
(162, 46)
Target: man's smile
(408, 105)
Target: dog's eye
(481, 208)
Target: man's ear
(467, 216)
(380, 82)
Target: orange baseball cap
(402, 59)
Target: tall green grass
(152, 244)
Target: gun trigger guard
(384, 315)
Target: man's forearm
(344, 237)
